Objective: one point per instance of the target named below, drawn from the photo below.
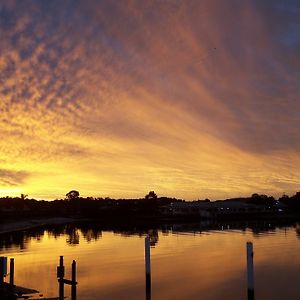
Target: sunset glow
(192, 99)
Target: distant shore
(13, 226)
(20, 213)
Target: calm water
(186, 263)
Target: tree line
(150, 205)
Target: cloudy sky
(191, 98)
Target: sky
(192, 99)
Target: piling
(12, 272)
(74, 283)
(1, 270)
(147, 267)
(60, 276)
(250, 272)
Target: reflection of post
(60, 276)
(74, 283)
(250, 273)
(147, 267)
(12, 272)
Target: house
(185, 208)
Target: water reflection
(93, 232)
(72, 236)
(298, 230)
(188, 261)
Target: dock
(10, 291)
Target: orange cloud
(191, 99)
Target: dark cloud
(12, 178)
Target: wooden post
(60, 276)
(1, 270)
(74, 283)
(250, 272)
(147, 267)
(12, 272)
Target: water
(186, 263)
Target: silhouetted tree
(296, 196)
(292, 202)
(151, 196)
(284, 198)
(72, 195)
(268, 201)
(23, 196)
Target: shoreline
(11, 226)
(14, 226)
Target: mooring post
(1, 270)
(74, 283)
(12, 272)
(250, 272)
(60, 276)
(147, 267)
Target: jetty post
(147, 268)
(3, 269)
(74, 283)
(12, 272)
(60, 276)
(250, 271)
(62, 280)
